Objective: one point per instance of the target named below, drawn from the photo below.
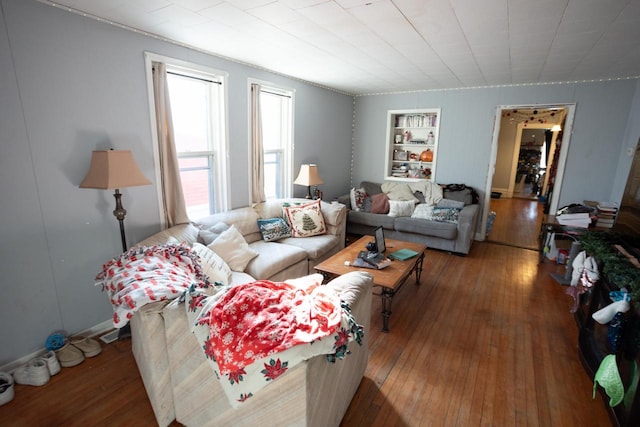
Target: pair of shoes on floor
(6, 388)
(35, 372)
(75, 349)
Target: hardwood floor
(485, 339)
(517, 222)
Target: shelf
(413, 162)
(414, 145)
(415, 127)
(409, 133)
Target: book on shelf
(403, 254)
(607, 213)
(373, 260)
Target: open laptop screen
(379, 235)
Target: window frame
(221, 178)
(288, 149)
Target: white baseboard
(98, 329)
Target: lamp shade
(308, 176)
(113, 169)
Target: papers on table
(579, 220)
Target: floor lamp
(308, 176)
(112, 170)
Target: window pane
(196, 184)
(271, 174)
(271, 110)
(190, 112)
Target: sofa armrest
(467, 222)
(335, 218)
(345, 199)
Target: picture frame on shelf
(402, 155)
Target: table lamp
(308, 176)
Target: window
(197, 102)
(276, 111)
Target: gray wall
(605, 125)
(69, 85)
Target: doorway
(510, 171)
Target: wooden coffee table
(390, 279)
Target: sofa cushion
(399, 208)
(207, 235)
(371, 188)
(245, 220)
(450, 203)
(357, 197)
(306, 220)
(378, 204)
(315, 247)
(446, 214)
(233, 249)
(273, 229)
(444, 230)
(272, 258)
(212, 264)
(398, 191)
(371, 219)
(181, 232)
(423, 211)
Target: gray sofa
(447, 236)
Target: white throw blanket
(431, 191)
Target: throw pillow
(212, 264)
(233, 249)
(273, 229)
(357, 198)
(380, 204)
(208, 235)
(306, 220)
(423, 211)
(449, 203)
(398, 191)
(446, 214)
(401, 207)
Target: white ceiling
(375, 46)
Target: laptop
(380, 244)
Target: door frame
(562, 158)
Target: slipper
(88, 346)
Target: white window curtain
(257, 152)
(173, 203)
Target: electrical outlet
(630, 151)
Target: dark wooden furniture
(390, 279)
(594, 345)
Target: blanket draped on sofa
(143, 275)
(253, 333)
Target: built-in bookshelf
(412, 144)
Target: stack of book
(400, 171)
(371, 260)
(607, 213)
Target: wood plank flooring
(484, 340)
(517, 222)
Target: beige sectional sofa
(179, 381)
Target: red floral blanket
(254, 320)
(251, 334)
